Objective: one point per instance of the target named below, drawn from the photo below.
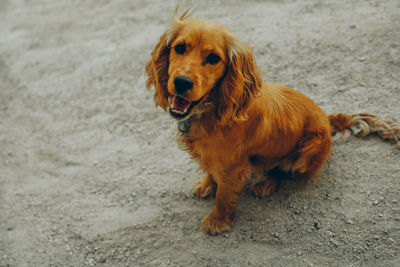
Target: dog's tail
(363, 124)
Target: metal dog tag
(184, 126)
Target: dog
(235, 125)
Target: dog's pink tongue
(179, 103)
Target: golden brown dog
(233, 123)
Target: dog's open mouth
(180, 108)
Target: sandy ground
(90, 174)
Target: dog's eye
(180, 49)
(212, 58)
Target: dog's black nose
(182, 84)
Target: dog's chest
(209, 149)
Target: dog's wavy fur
(241, 124)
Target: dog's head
(198, 61)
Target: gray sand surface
(90, 173)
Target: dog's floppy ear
(157, 66)
(157, 72)
(240, 83)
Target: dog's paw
(265, 187)
(203, 188)
(213, 226)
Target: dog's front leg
(204, 187)
(229, 189)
